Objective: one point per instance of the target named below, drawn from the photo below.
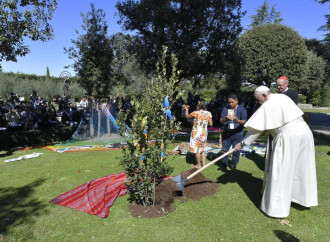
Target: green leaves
(149, 123)
(271, 50)
(93, 54)
(263, 16)
(20, 19)
(199, 33)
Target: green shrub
(208, 94)
(315, 98)
(325, 96)
(301, 98)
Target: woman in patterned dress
(198, 137)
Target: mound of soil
(194, 189)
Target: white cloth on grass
(24, 157)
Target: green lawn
(231, 214)
(318, 110)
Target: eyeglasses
(281, 85)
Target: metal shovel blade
(179, 182)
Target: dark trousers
(227, 141)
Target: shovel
(180, 182)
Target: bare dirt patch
(166, 192)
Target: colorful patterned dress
(198, 135)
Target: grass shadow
(17, 207)
(299, 207)
(285, 237)
(190, 159)
(257, 159)
(181, 138)
(250, 184)
(34, 138)
(320, 139)
(7, 152)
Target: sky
(305, 16)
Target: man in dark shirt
(233, 117)
(282, 85)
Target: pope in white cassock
(290, 174)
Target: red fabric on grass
(96, 196)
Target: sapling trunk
(154, 198)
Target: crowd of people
(16, 114)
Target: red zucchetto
(283, 78)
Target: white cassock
(290, 173)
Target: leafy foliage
(301, 98)
(321, 50)
(199, 33)
(208, 94)
(263, 16)
(92, 54)
(127, 70)
(23, 19)
(315, 98)
(24, 84)
(273, 50)
(314, 75)
(325, 27)
(146, 164)
(47, 74)
(325, 96)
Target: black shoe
(223, 169)
(233, 169)
(220, 153)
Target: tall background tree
(233, 69)
(325, 27)
(125, 65)
(92, 54)
(321, 49)
(269, 51)
(325, 92)
(321, 56)
(314, 74)
(199, 33)
(47, 74)
(22, 19)
(264, 16)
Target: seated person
(13, 120)
(51, 116)
(84, 102)
(40, 120)
(37, 102)
(27, 118)
(2, 121)
(67, 117)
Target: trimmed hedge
(9, 140)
